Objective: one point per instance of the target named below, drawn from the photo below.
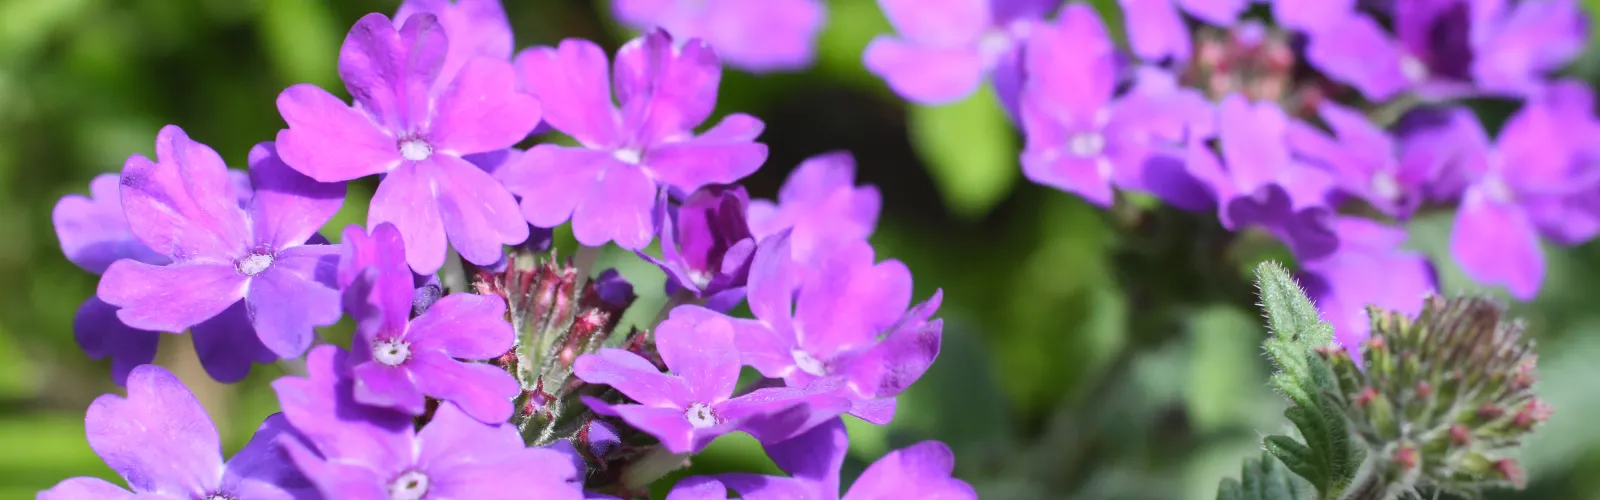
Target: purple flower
(363, 452)
(608, 187)
(1157, 30)
(706, 245)
(414, 131)
(772, 35)
(161, 442)
(1308, 15)
(1369, 269)
(399, 359)
(830, 322)
(1261, 185)
(1518, 42)
(694, 404)
(1081, 137)
(945, 48)
(475, 28)
(822, 205)
(813, 460)
(1364, 160)
(1543, 156)
(185, 207)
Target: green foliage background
(1088, 354)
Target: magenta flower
(1369, 269)
(414, 131)
(399, 360)
(813, 460)
(253, 260)
(821, 203)
(772, 35)
(706, 245)
(694, 404)
(161, 442)
(369, 453)
(944, 49)
(830, 322)
(608, 187)
(1365, 161)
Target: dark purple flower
(1081, 138)
(414, 131)
(694, 404)
(608, 187)
(369, 453)
(399, 360)
(846, 318)
(475, 28)
(821, 203)
(161, 442)
(706, 245)
(185, 207)
(813, 460)
(944, 49)
(1157, 30)
(1364, 160)
(772, 35)
(1260, 184)
(1369, 269)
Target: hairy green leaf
(1265, 478)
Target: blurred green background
(1088, 354)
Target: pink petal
(330, 141)
(1354, 50)
(849, 300)
(1495, 243)
(183, 206)
(158, 438)
(81, 488)
(294, 295)
(479, 214)
(665, 90)
(777, 35)
(1071, 67)
(481, 390)
(669, 425)
(1156, 30)
(465, 326)
(618, 210)
(390, 70)
(700, 349)
(406, 199)
(634, 376)
(926, 74)
(722, 155)
(93, 231)
(938, 22)
(476, 28)
(287, 207)
(170, 298)
(482, 111)
(921, 470)
(552, 180)
(1089, 178)
(571, 82)
(383, 386)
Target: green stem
(654, 465)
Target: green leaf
(970, 150)
(1265, 479)
(1290, 315)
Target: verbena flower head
(813, 460)
(225, 259)
(1369, 269)
(1258, 183)
(772, 35)
(608, 187)
(846, 318)
(161, 442)
(706, 245)
(1543, 157)
(414, 131)
(1364, 160)
(821, 204)
(944, 50)
(363, 452)
(399, 360)
(1081, 137)
(695, 403)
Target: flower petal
(699, 348)
(665, 90)
(722, 155)
(158, 438)
(481, 390)
(571, 82)
(183, 205)
(330, 141)
(778, 35)
(101, 334)
(287, 207)
(925, 74)
(294, 295)
(1156, 30)
(1532, 39)
(1354, 50)
(227, 345)
(1495, 243)
(773, 281)
(93, 231)
(476, 28)
(391, 387)
(1071, 68)
(849, 300)
(406, 199)
(482, 111)
(170, 298)
(633, 376)
(468, 459)
(389, 67)
(262, 469)
(465, 326)
(814, 456)
(322, 409)
(921, 470)
(81, 488)
(553, 180)
(478, 213)
(669, 425)
(938, 22)
(619, 209)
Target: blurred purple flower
(1261, 184)
(475, 28)
(706, 245)
(1081, 138)
(944, 49)
(1369, 269)
(1516, 43)
(813, 460)
(1157, 30)
(161, 442)
(186, 207)
(1365, 161)
(608, 187)
(414, 131)
(399, 360)
(694, 404)
(846, 318)
(821, 203)
(771, 35)
(370, 453)
(1543, 157)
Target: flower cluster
(482, 365)
(1328, 124)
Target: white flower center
(1496, 189)
(1414, 69)
(700, 278)
(219, 496)
(253, 264)
(700, 416)
(391, 352)
(1086, 144)
(994, 43)
(629, 156)
(808, 363)
(409, 486)
(1385, 186)
(415, 149)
